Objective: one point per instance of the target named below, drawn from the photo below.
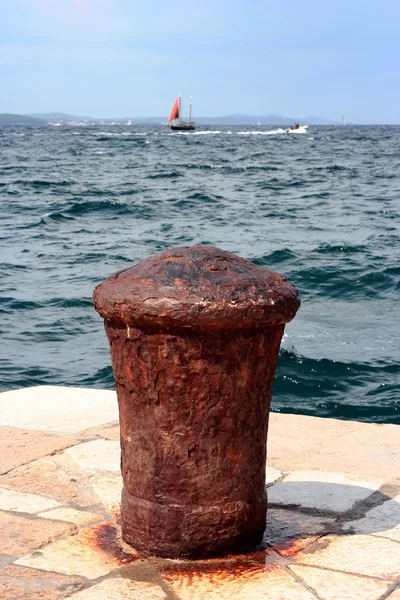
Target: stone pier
(333, 525)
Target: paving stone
(234, 579)
(57, 477)
(383, 521)
(58, 408)
(320, 490)
(111, 432)
(92, 553)
(79, 517)
(20, 535)
(19, 447)
(292, 435)
(375, 452)
(119, 589)
(272, 475)
(357, 554)
(97, 455)
(26, 503)
(108, 487)
(364, 450)
(6, 559)
(19, 583)
(289, 532)
(331, 585)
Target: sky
(118, 58)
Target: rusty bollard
(194, 335)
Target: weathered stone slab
(19, 447)
(383, 521)
(110, 432)
(92, 553)
(57, 477)
(357, 554)
(58, 408)
(333, 585)
(394, 595)
(6, 559)
(19, 583)
(293, 435)
(320, 490)
(25, 503)
(97, 455)
(65, 513)
(20, 535)
(108, 488)
(374, 453)
(244, 577)
(289, 532)
(272, 475)
(121, 589)
(364, 450)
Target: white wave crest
(121, 133)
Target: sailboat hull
(182, 126)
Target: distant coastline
(12, 119)
(62, 119)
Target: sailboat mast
(190, 109)
(180, 104)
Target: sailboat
(174, 119)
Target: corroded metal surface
(194, 336)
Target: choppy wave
(322, 209)
(325, 387)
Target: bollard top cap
(200, 288)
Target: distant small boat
(174, 120)
(296, 128)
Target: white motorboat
(296, 128)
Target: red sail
(175, 111)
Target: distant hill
(58, 116)
(243, 119)
(270, 119)
(10, 119)
(235, 119)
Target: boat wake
(220, 132)
(298, 131)
(270, 132)
(205, 132)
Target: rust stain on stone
(220, 571)
(286, 549)
(105, 538)
(322, 543)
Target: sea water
(77, 204)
